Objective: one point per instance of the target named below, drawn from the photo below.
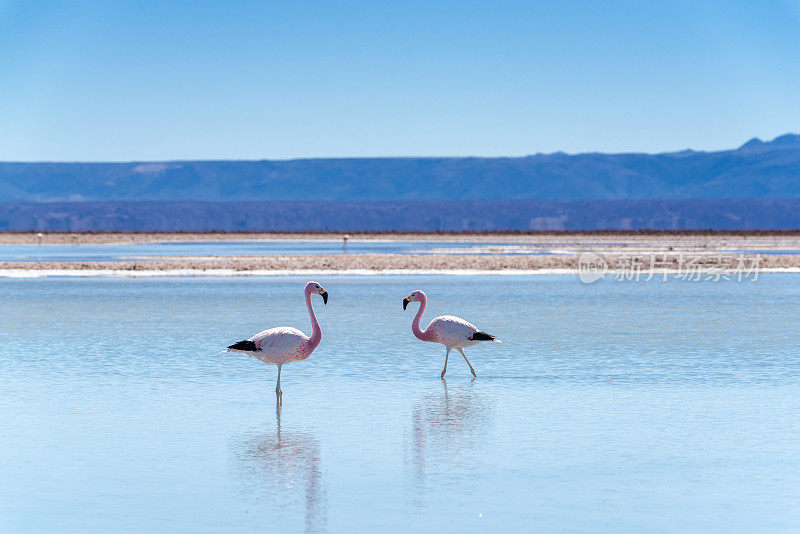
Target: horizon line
(321, 158)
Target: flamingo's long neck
(415, 324)
(316, 332)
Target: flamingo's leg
(465, 358)
(278, 391)
(445, 362)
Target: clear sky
(151, 80)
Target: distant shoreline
(615, 261)
(223, 273)
(713, 237)
(478, 253)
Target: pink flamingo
(452, 332)
(285, 344)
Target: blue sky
(148, 80)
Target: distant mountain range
(756, 170)
(408, 215)
(756, 186)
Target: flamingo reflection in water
(447, 428)
(288, 468)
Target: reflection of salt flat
(642, 251)
(494, 249)
(119, 273)
(607, 248)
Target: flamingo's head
(313, 287)
(416, 296)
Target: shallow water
(613, 407)
(146, 251)
(232, 248)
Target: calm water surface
(613, 407)
(139, 251)
(230, 248)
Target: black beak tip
(325, 297)
(405, 304)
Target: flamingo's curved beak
(324, 295)
(405, 303)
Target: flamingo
(284, 344)
(452, 332)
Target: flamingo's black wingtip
(482, 336)
(244, 345)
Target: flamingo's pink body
(452, 332)
(284, 344)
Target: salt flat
(220, 254)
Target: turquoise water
(615, 406)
